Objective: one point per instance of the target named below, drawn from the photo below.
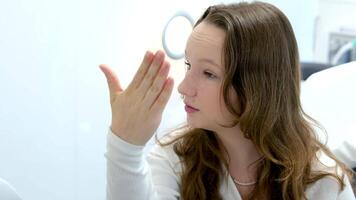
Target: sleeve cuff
(122, 152)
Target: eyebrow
(207, 60)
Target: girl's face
(203, 80)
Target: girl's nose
(187, 87)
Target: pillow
(7, 191)
(329, 96)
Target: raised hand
(137, 111)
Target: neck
(241, 153)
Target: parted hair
(261, 62)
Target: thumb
(112, 79)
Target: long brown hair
(262, 65)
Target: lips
(190, 109)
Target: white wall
(302, 15)
(332, 16)
(54, 110)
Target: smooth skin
(137, 110)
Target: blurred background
(54, 107)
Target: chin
(194, 124)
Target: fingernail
(160, 55)
(168, 66)
(157, 54)
(148, 55)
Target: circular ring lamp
(174, 54)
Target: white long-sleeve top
(133, 176)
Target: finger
(158, 84)
(163, 98)
(113, 81)
(146, 62)
(152, 72)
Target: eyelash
(209, 75)
(206, 73)
(187, 65)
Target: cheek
(210, 101)
(224, 112)
(217, 108)
(233, 102)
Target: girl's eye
(187, 65)
(209, 75)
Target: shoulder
(163, 152)
(328, 187)
(325, 188)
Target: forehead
(206, 41)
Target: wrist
(125, 136)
